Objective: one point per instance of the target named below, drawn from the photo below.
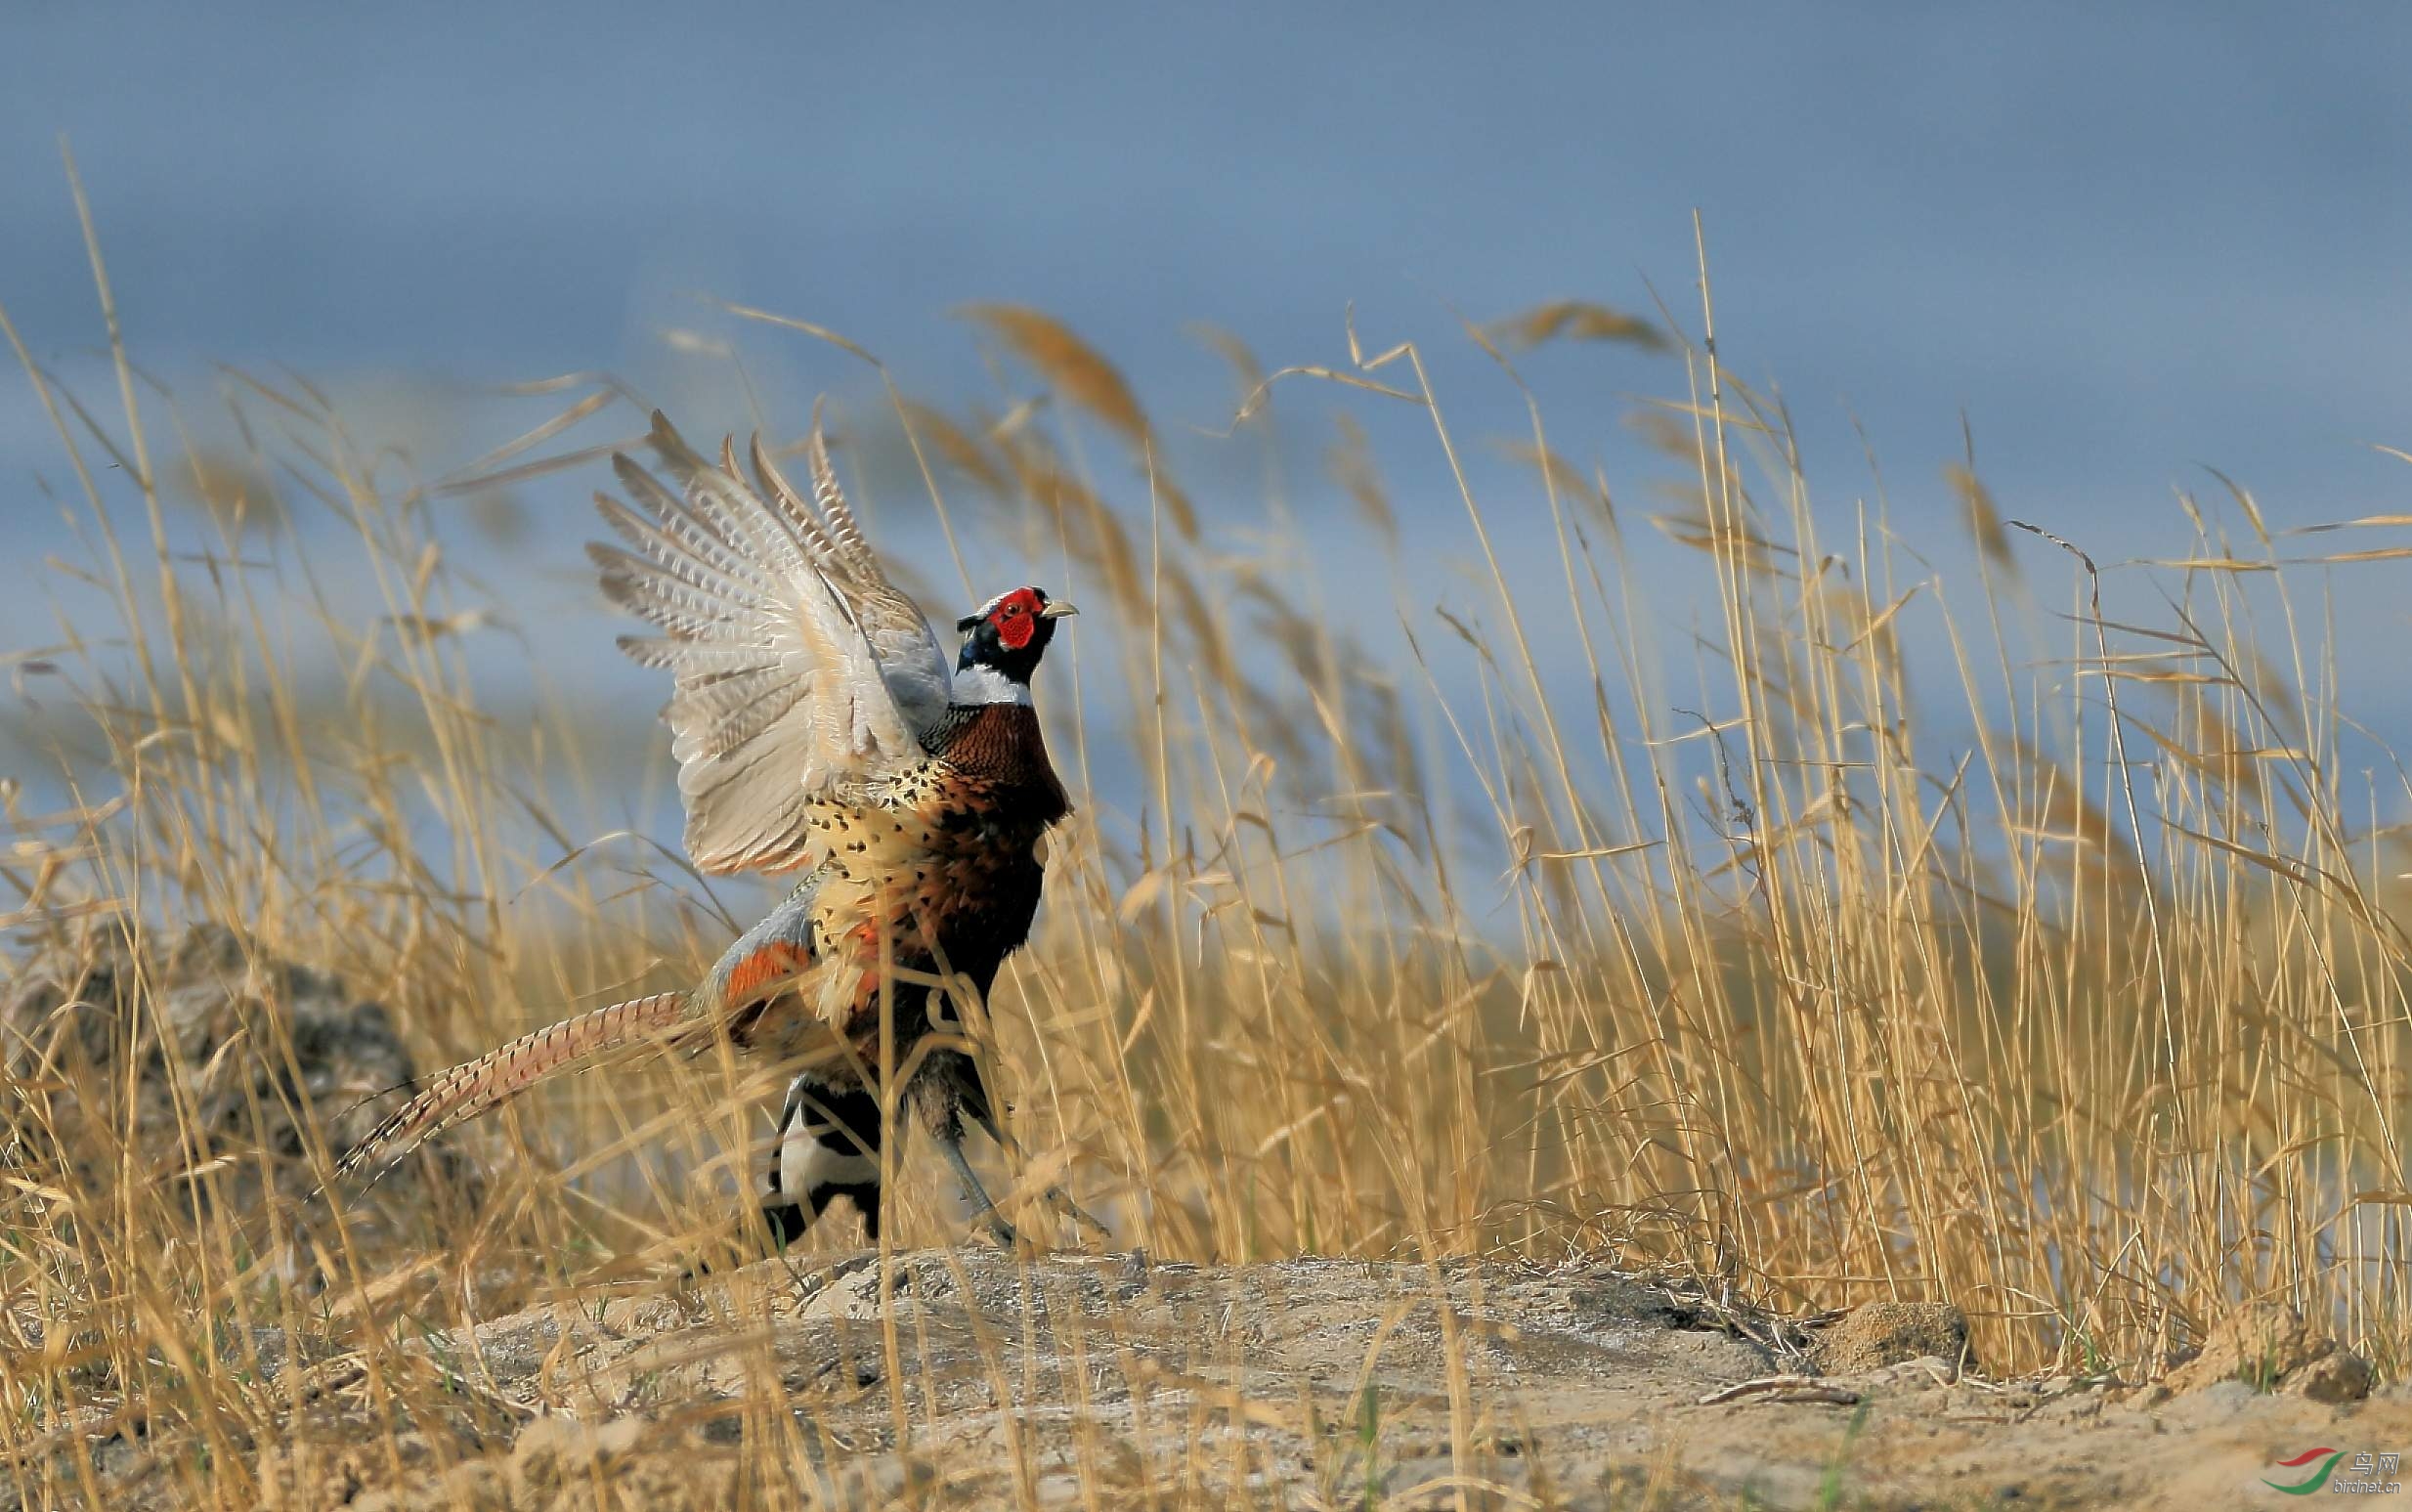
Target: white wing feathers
(797, 667)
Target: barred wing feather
(797, 667)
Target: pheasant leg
(1055, 1197)
(949, 1136)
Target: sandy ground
(1104, 1380)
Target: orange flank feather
(768, 966)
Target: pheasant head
(1002, 641)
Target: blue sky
(2124, 240)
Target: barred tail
(475, 1087)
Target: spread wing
(797, 665)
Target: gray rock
(226, 1056)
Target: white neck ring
(983, 684)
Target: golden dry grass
(2092, 1025)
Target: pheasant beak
(1058, 610)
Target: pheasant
(819, 732)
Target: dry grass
(2090, 1026)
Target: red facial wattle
(1016, 619)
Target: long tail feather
(474, 1086)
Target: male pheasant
(818, 731)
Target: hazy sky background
(2124, 240)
